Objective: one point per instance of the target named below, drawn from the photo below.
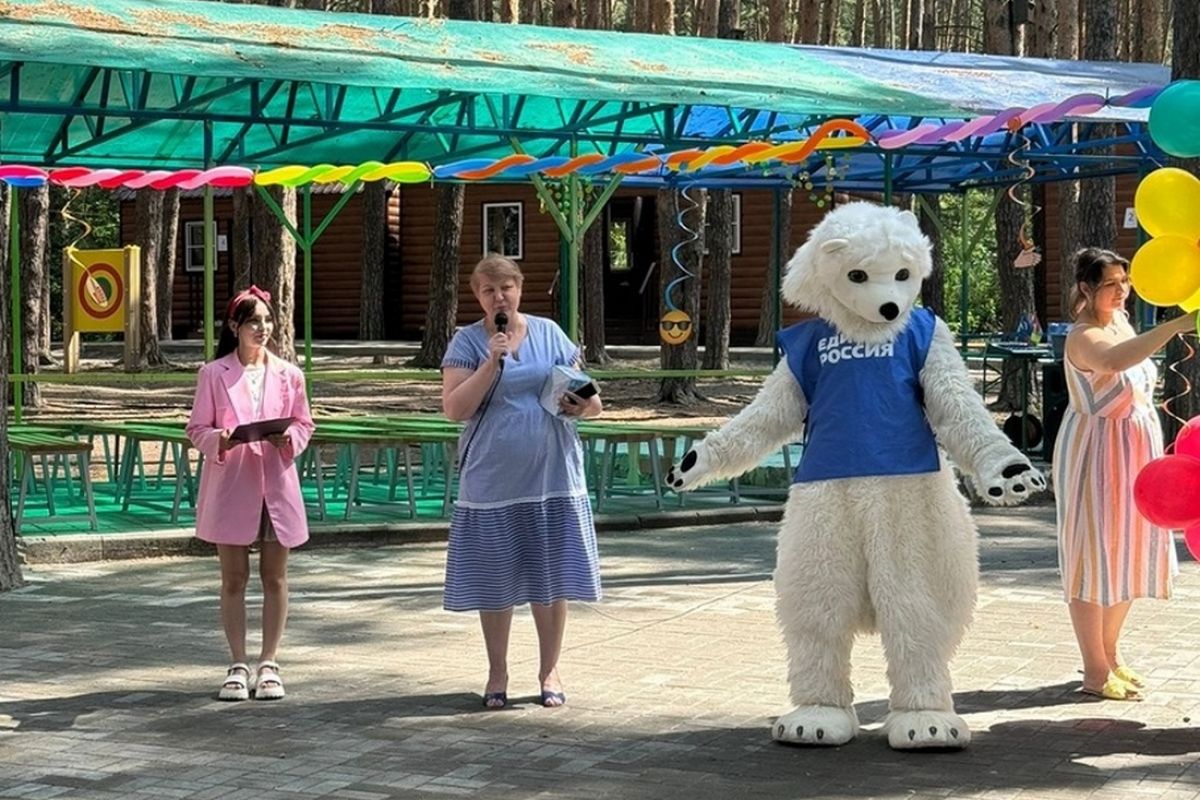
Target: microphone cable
(501, 324)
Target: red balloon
(1187, 441)
(1167, 491)
(1191, 537)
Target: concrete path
(108, 673)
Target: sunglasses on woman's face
(676, 325)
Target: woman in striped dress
(1108, 553)
(522, 529)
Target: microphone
(501, 321)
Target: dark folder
(254, 431)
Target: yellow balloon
(1192, 303)
(1166, 270)
(1168, 203)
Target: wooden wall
(337, 267)
(1127, 240)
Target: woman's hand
(573, 405)
(280, 440)
(497, 347)
(225, 443)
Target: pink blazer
(235, 485)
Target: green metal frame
(305, 239)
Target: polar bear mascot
(875, 535)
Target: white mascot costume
(875, 535)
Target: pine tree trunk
(933, 290)
(566, 13)
(239, 248)
(510, 10)
(1070, 226)
(10, 558)
(273, 266)
(686, 295)
(35, 220)
(706, 18)
(776, 20)
(1016, 285)
(1098, 198)
(531, 12)
(916, 19)
(781, 239)
(148, 213)
(595, 351)
(858, 24)
(167, 263)
(371, 317)
(719, 274)
(443, 279)
(808, 30)
(1149, 31)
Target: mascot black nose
(890, 311)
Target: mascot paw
(918, 730)
(691, 470)
(1011, 483)
(816, 725)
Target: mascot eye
(857, 276)
(902, 275)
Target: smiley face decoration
(675, 327)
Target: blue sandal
(495, 701)
(548, 696)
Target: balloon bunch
(1166, 269)
(1167, 490)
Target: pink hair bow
(246, 294)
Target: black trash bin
(1054, 404)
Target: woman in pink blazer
(250, 491)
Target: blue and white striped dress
(522, 529)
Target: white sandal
(269, 685)
(237, 682)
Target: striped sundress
(1108, 552)
(522, 529)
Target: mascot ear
(833, 245)
(910, 217)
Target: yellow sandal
(1114, 689)
(1130, 676)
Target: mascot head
(861, 270)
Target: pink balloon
(1191, 537)
(1187, 442)
(1167, 491)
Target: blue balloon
(1175, 119)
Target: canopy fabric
(175, 84)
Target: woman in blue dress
(522, 529)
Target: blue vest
(865, 406)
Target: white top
(254, 382)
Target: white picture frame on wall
(504, 229)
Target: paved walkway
(108, 672)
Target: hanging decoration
(1029, 256)
(675, 328)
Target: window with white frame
(193, 246)
(504, 230)
(735, 223)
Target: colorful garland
(514, 166)
(1013, 119)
